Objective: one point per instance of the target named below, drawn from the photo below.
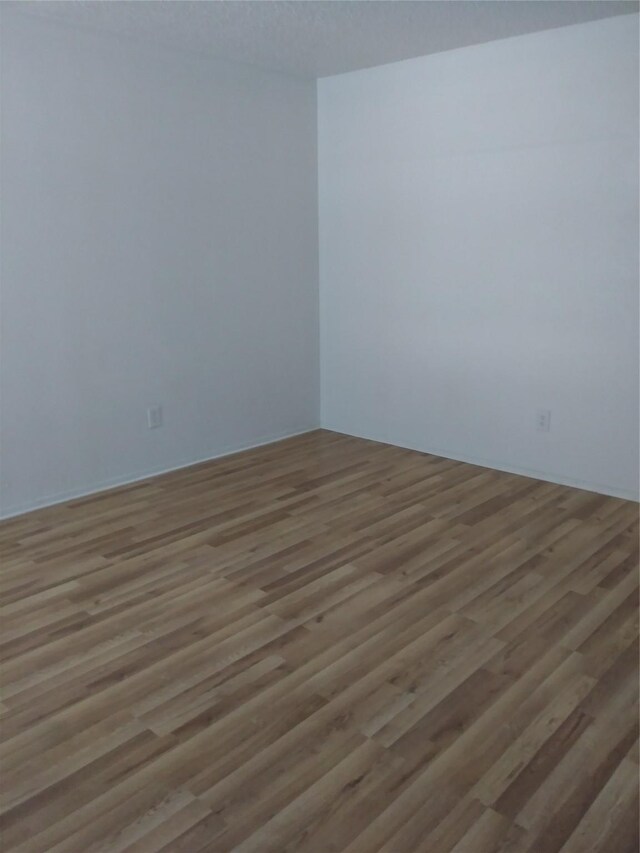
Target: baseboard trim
(545, 476)
(128, 479)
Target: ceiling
(317, 38)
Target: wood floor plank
(324, 645)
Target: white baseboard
(127, 479)
(115, 482)
(545, 476)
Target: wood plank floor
(327, 644)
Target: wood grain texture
(327, 644)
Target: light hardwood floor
(327, 644)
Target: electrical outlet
(154, 417)
(543, 420)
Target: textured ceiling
(316, 38)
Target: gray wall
(478, 236)
(479, 253)
(159, 245)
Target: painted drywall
(479, 254)
(159, 246)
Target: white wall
(479, 253)
(159, 245)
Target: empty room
(319, 398)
